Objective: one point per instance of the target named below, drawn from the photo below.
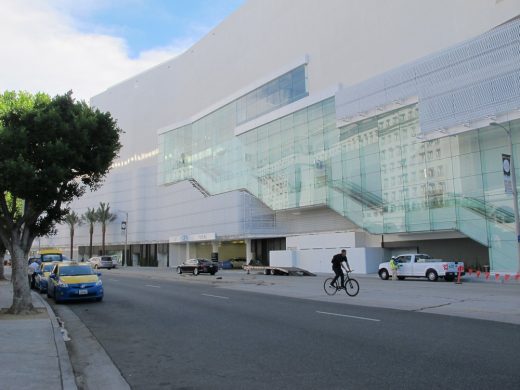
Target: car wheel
(432, 276)
(95, 266)
(195, 271)
(383, 274)
(179, 270)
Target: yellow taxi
(42, 275)
(72, 280)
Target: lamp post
(124, 226)
(514, 189)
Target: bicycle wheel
(351, 287)
(328, 288)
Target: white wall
(330, 240)
(346, 42)
(361, 260)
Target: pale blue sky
(87, 46)
(148, 24)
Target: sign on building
(506, 168)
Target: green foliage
(72, 219)
(104, 215)
(53, 150)
(90, 216)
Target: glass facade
(377, 172)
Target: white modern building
(307, 126)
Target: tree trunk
(71, 243)
(22, 301)
(91, 231)
(2, 257)
(104, 228)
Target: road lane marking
(113, 280)
(345, 315)
(150, 285)
(215, 296)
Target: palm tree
(72, 219)
(91, 218)
(104, 216)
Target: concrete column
(188, 254)
(249, 254)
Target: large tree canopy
(51, 151)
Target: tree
(104, 216)
(2, 256)
(72, 219)
(90, 217)
(53, 150)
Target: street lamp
(514, 190)
(124, 226)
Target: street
(165, 334)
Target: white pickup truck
(422, 265)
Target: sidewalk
(474, 298)
(33, 354)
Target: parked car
(103, 262)
(70, 280)
(40, 281)
(197, 266)
(50, 255)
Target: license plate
(83, 292)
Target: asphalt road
(177, 335)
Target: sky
(86, 46)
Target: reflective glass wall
(377, 172)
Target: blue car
(42, 275)
(70, 280)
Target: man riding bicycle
(340, 261)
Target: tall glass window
(277, 93)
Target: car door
(405, 265)
(52, 282)
(420, 265)
(189, 265)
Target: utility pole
(124, 226)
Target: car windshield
(74, 270)
(48, 267)
(53, 257)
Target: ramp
(273, 270)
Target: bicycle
(351, 286)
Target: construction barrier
(499, 277)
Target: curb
(68, 380)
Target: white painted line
(344, 315)
(215, 296)
(113, 280)
(149, 285)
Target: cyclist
(340, 261)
